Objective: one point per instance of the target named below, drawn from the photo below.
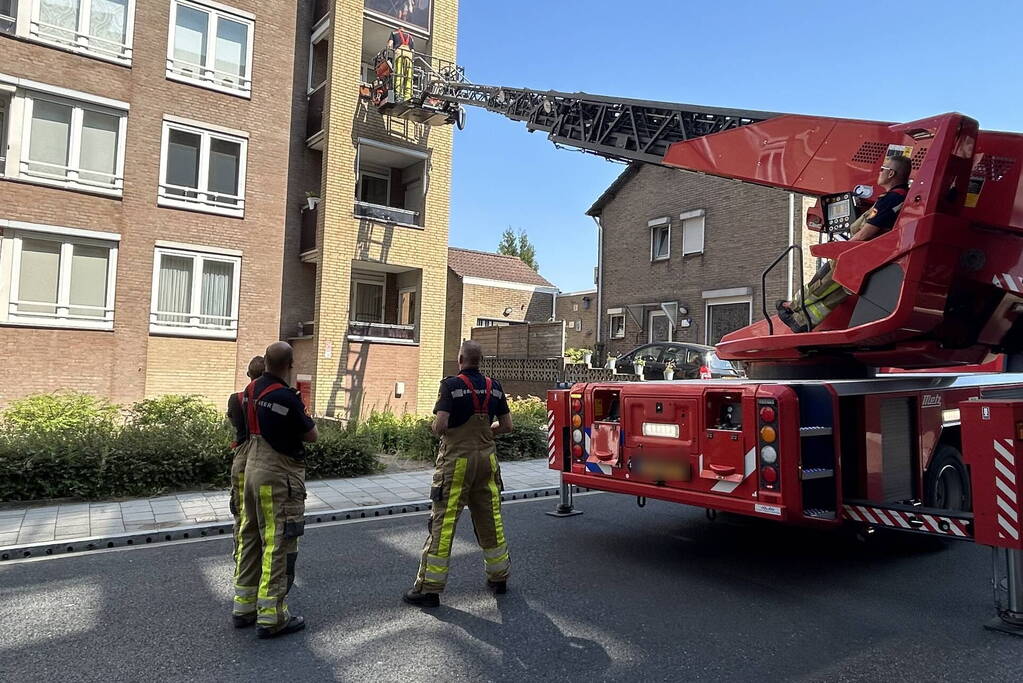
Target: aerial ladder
(812, 438)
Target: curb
(78, 546)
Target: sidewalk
(20, 525)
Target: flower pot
(588, 358)
(311, 202)
(639, 371)
(669, 375)
(610, 364)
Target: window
(202, 169)
(407, 306)
(61, 277)
(195, 294)
(415, 13)
(660, 238)
(726, 315)
(98, 28)
(390, 185)
(578, 325)
(72, 144)
(692, 231)
(497, 322)
(659, 328)
(210, 47)
(8, 15)
(616, 327)
(368, 299)
(4, 104)
(374, 187)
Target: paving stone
(36, 534)
(169, 518)
(72, 532)
(8, 539)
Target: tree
(518, 245)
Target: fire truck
(815, 436)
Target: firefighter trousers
(237, 494)
(403, 73)
(821, 296)
(467, 475)
(271, 519)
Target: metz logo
(931, 401)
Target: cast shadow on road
(536, 645)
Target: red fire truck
(816, 437)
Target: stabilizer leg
(565, 507)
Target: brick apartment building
(142, 193)
(579, 311)
(681, 255)
(365, 254)
(487, 289)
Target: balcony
(307, 236)
(381, 332)
(387, 214)
(314, 118)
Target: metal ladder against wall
(817, 452)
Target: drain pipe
(600, 281)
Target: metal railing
(207, 198)
(75, 176)
(204, 74)
(405, 333)
(386, 214)
(76, 40)
(763, 285)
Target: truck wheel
(947, 481)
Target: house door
(658, 327)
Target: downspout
(600, 280)
(792, 237)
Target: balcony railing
(307, 237)
(386, 214)
(360, 331)
(314, 118)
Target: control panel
(839, 212)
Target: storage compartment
(723, 452)
(605, 443)
(659, 437)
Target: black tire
(947, 481)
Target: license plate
(661, 470)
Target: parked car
(691, 361)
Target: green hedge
(72, 445)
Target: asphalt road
(619, 593)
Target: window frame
(201, 202)
(656, 226)
(11, 242)
(73, 169)
(723, 301)
(386, 177)
(6, 105)
(687, 218)
(27, 26)
(611, 326)
(382, 284)
(415, 302)
(193, 328)
(206, 79)
(650, 328)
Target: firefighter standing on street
(236, 415)
(272, 514)
(467, 474)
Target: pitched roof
(490, 266)
(628, 174)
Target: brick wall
(192, 366)
(582, 308)
(116, 363)
(371, 371)
(746, 227)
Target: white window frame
(14, 233)
(72, 180)
(208, 75)
(382, 284)
(406, 290)
(386, 177)
(319, 35)
(611, 326)
(689, 220)
(28, 26)
(193, 328)
(205, 200)
(650, 327)
(6, 104)
(9, 22)
(656, 225)
(721, 301)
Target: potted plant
(587, 357)
(669, 370)
(639, 364)
(574, 356)
(312, 199)
(610, 363)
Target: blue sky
(873, 60)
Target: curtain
(174, 294)
(183, 161)
(217, 285)
(99, 147)
(223, 175)
(88, 279)
(190, 32)
(49, 136)
(109, 22)
(232, 44)
(40, 271)
(59, 19)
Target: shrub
(576, 355)
(60, 413)
(340, 452)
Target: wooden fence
(533, 340)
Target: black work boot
(497, 587)
(788, 317)
(243, 620)
(414, 597)
(293, 625)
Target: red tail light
(768, 443)
(769, 474)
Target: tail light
(578, 436)
(767, 418)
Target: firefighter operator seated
(467, 474)
(822, 293)
(272, 514)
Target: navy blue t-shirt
(282, 418)
(886, 209)
(454, 397)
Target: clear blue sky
(874, 60)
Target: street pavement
(618, 593)
(21, 524)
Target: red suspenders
(405, 38)
(249, 403)
(481, 408)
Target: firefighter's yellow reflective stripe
(266, 611)
(495, 553)
(246, 592)
(434, 577)
(447, 529)
(437, 561)
(266, 503)
(495, 501)
(240, 498)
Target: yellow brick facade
(204, 367)
(343, 238)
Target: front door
(658, 327)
